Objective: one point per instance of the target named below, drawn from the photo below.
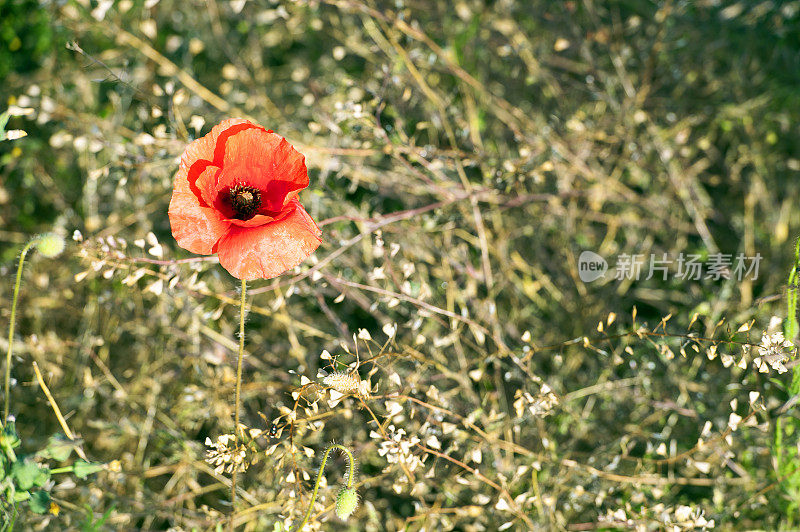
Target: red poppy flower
(235, 194)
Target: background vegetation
(462, 155)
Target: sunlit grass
(461, 156)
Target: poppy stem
(350, 477)
(236, 399)
(11, 330)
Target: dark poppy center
(245, 201)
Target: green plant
(787, 429)
(94, 525)
(50, 245)
(347, 499)
(24, 478)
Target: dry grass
(461, 157)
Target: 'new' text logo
(591, 266)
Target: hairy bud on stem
(347, 501)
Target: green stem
(351, 471)
(786, 457)
(11, 330)
(791, 296)
(236, 399)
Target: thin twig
(57, 410)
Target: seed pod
(346, 503)
(50, 245)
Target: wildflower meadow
(399, 265)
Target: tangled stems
(11, 329)
(236, 399)
(348, 490)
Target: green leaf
(40, 502)
(83, 469)
(94, 526)
(58, 448)
(8, 437)
(28, 474)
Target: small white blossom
(224, 455)
(540, 405)
(397, 448)
(773, 352)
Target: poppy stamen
(245, 201)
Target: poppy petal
(269, 250)
(195, 228)
(259, 219)
(264, 160)
(203, 148)
(205, 183)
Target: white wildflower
(397, 448)
(773, 352)
(225, 455)
(540, 405)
